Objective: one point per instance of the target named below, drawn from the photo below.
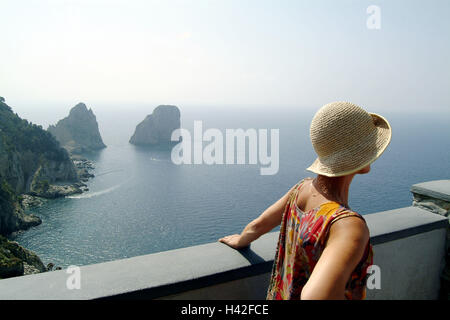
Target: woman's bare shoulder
(352, 228)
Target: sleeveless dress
(300, 245)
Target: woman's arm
(268, 220)
(345, 247)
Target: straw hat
(347, 138)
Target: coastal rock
(47, 188)
(26, 221)
(29, 201)
(78, 132)
(13, 217)
(157, 128)
(51, 191)
(29, 157)
(55, 171)
(83, 167)
(51, 267)
(30, 269)
(12, 214)
(16, 260)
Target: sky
(231, 53)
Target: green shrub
(21, 135)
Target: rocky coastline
(16, 260)
(34, 167)
(43, 189)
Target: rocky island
(156, 129)
(78, 132)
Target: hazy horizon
(224, 54)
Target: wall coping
(174, 271)
(439, 189)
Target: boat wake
(108, 172)
(94, 194)
(156, 159)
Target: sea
(140, 202)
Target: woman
(321, 255)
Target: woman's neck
(334, 188)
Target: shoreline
(48, 190)
(16, 260)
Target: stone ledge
(438, 189)
(401, 223)
(170, 272)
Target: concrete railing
(434, 196)
(409, 248)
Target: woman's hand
(268, 220)
(233, 241)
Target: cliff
(30, 159)
(16, 260)
(156, 128)
(78, 132)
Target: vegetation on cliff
(30, 160)
(22, 136)
(16, 260)
(29, 155)
(12, 215)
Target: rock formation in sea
(78, 132)
(156, 129)
(31, 162)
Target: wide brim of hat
(332, 167)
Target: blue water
(140, 202)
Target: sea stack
(78, 133)
(156, 129)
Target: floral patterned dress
(300, 245)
